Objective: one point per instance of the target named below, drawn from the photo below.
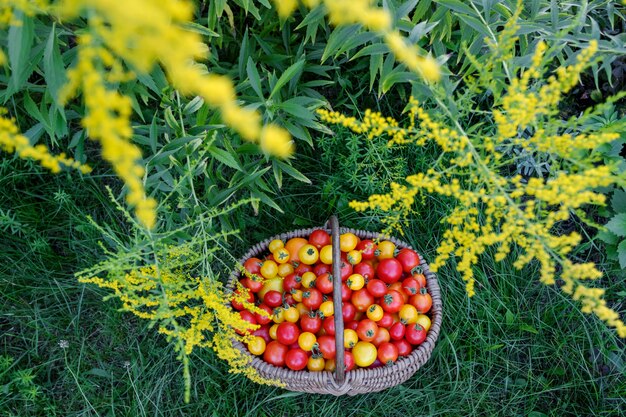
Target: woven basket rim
(417, 357)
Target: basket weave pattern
(358, 381)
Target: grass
(516, 349)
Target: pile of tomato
(385, 302)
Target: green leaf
(617, 225)
(618, 202)
(54, 71)
(266, 199)
(255, 79)
(193, 106)
(457, 6)
(621, 254)
(495, 347)
(338, 38)
(528, 328)
(20, 43)
(291, 171)
(224, 157)
(291, 73)
(202, 30)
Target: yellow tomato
(326, 254)
(308, 254)
(348, 242)
(375, 312)
(276, 244)
(364, 354)
(350, 338)
(356, 282)
(355, 257)
(292, 314)
(285, 269)
(296, 295)
(327, 308)
(273, 331)
(408, 314)
(275, 284)
(279, 315)
(269, 269)
(256, 346)
(424, 321)
(307, 341)
(386, 249)
(330, 365)
(315, 364)
(308, 279)
(281, 255)
(302, 309)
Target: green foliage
(20, 394)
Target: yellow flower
(276, 141)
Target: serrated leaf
(621, 254)
(293, 72)
(618, 202)
(617, 224)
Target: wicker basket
(358, 381)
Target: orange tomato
(293, 245)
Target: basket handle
(340, 369)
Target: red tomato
(367, 248)
(392, 302)
(422, 301)
(253, 284)
(288, 299)
(311, 323)
(404, 347)
(415, 334)
(351, 325)
(249, 317)
(302, 268)
(275, 353)
(408, 258)
(319, 238)
(389, 270)
(348, 360)
(362, 299)
(253, 265)
(324, 283)
(346, 267)
(376, 287)
(397, 331)
(246, 293)
(346, 292)
(291, 282)
(287, 333)
(386, 321)
(312, 298)
(348, 312)
(327, 346)
(420, 278)
(328, 324)
(264, 332)
(273, 298)
(366, 269)
(320, 269)
(264, 319)
(296, 359)
(367, 330)
(382, 336)
(387, 353)
(397, 286)
(410, 286)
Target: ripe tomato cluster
(384, 302)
